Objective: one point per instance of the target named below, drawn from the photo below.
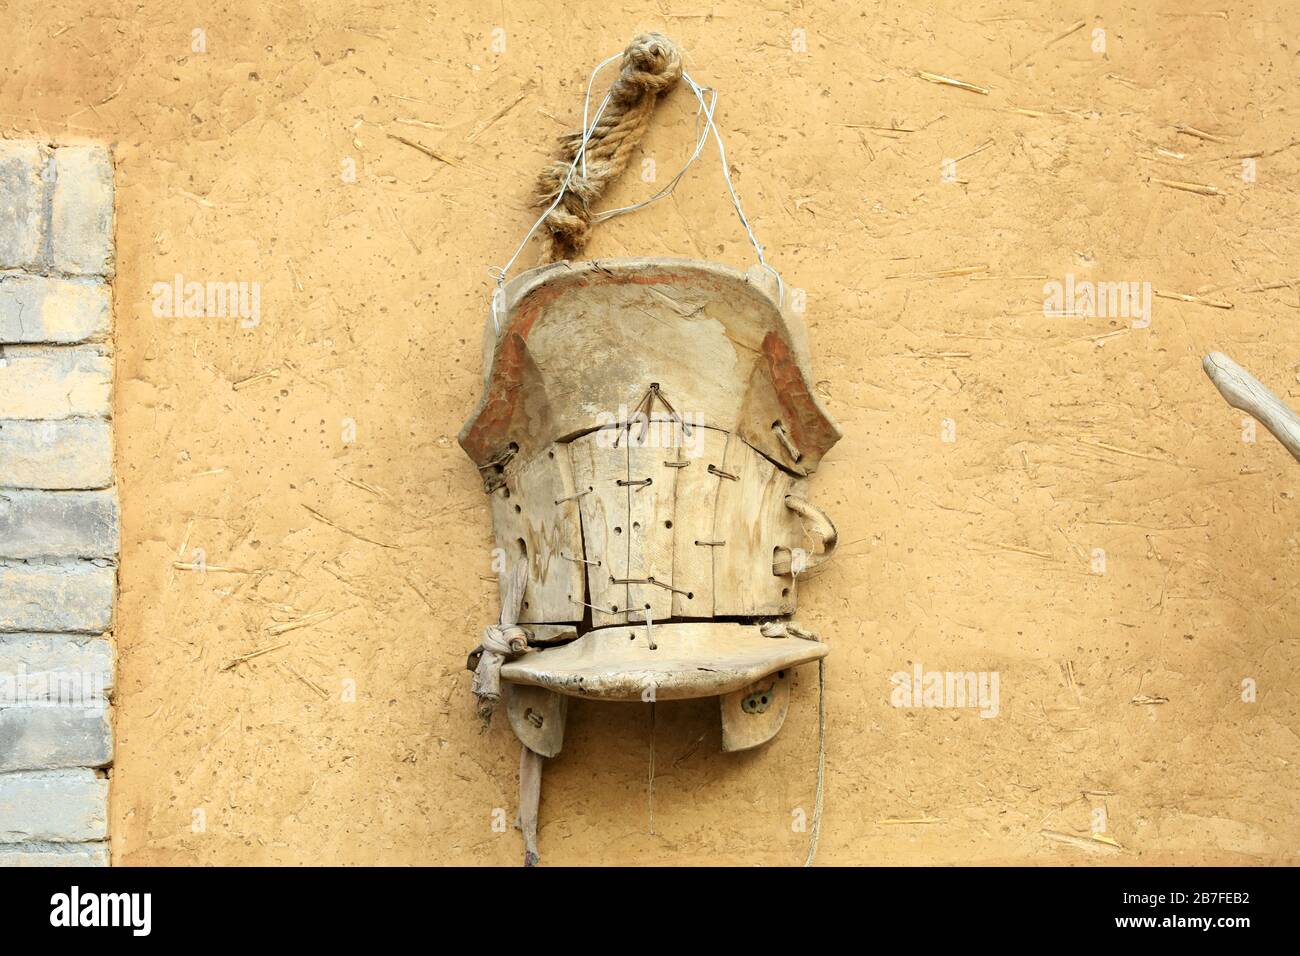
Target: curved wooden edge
(691, 660)
(537, 716)
(484, 437)
(819, 525)
(1242, 390)
(755, 714)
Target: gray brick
(38, 381)
(53, 806)
(58, 524)
(22, 205)
(73, 596)
(54, 854)
(41, 309)
(71, 453)
(42, 666)
(82, 222)
(47, 736)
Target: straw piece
(1189, 187)
(949, 81)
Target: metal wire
(706, 110)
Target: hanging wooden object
(645, 435)
(755, 714)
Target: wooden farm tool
(646, 435)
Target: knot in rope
(652, 62)
(500, 644)
(509, 642)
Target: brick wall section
(58, 507)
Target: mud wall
(290, 483)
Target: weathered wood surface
(651, 510)
(537, 716)
(706, 528)
(692, 659)
(755, 714)
(1242, 390)
(819, 527)
(753, 521)
(581, 339)
(533, 515)
(543, 634)
(696, 500)
(598, 466)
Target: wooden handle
(1242, 390)
(820, 527)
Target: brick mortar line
(54, 798)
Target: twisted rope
(652, 65)
(500, 644)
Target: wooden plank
(689, 659)
(598, 467)
(527, 520)
(650, 552)
(540, 635)
(751, 517)
(695, 500)
(537, 716)
(754, 715)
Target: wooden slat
(695, 500)
(751, 517)
(599, 465)
(651, 508)
(524, 510)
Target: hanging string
(815, 835)
(735, 199)
(568, 185)
(650, 782)
(703, 128)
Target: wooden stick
(1056, 39)
(1268, 286)
(1184, 297)
(433, 154)
(305, 621)
(941, 274)
(1098, 844)
(949, 81)
(235, 662)
(498, 114)
(908, 821)
(1199, 134)
(1242, 390)
(1189, 187)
